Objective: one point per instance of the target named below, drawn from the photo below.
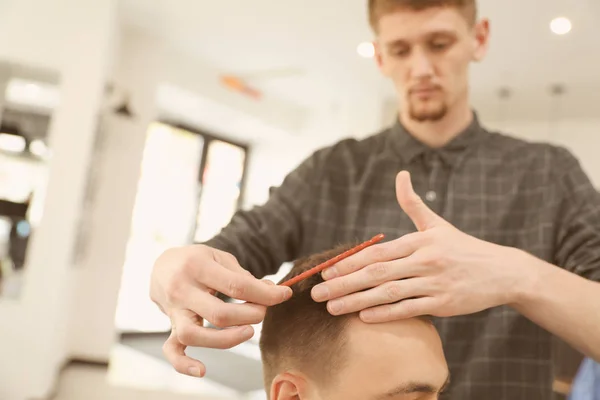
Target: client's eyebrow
(414, 387)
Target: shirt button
(431, 195)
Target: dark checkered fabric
(504, 190)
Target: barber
(498, 237)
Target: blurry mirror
(27, 98)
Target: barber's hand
(184, 284)
(437, 271)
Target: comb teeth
(332, 261)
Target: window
(221, 187)
(189, 188)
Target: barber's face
(427, 55)
(401, 360)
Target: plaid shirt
(497, 188)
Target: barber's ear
(481, 39)
(288, 386)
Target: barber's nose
(421, 65)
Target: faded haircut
(300, 333)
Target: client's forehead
(390, 354)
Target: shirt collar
(409, 148)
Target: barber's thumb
(412, 204)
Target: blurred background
(131, 126)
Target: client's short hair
(300, 333)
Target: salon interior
(133, 126)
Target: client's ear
(288, 386)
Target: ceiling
(305, 51)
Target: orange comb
(332, 261)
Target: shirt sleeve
(266, 236)
(578, 236)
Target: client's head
(308, 354)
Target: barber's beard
(427, 112)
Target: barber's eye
(440, 45)
(401, 52)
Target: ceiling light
(366, 50)
(32, 89)
(31, 93)
(38, 148)
(12, 143)
(560, 26)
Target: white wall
(74, 39)
(98, 275)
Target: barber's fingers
(190, 331)
(230, 262)
(174, 352)
(404, 309)
(368, 277)
(393, 250)
(222, 314)
(386, 293)
(241, 286)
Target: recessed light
(561, 26)
(31, 93)
(366, 50)
(38, 148)
(32, 89)
(12, 143)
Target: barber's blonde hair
(379, 8)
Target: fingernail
(268, 282)
(195, 371)
(329, 273)
(248, 331)
(368, 315)
(335, 306)
(287, 294)
(320, 292)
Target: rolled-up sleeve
(578, 236)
